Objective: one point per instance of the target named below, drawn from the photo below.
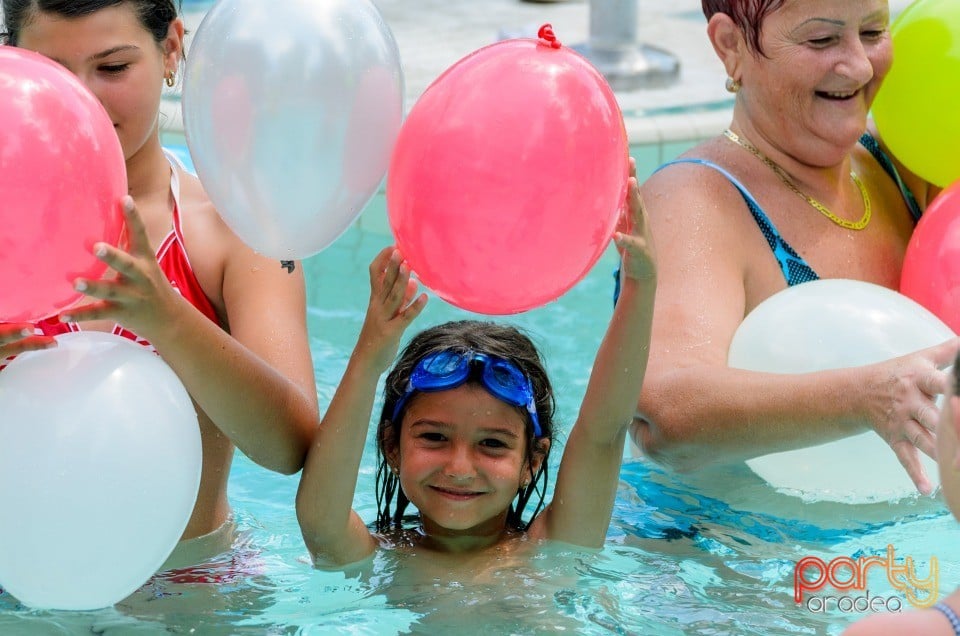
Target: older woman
(796, 189)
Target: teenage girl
(230, 323)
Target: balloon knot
(288, 265)
(546, 34)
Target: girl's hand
(17, 337)
(634, 241)
(138, 295)
(393, 306)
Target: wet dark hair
(490, 338)
(155, 15)
(747, 14)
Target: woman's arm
(333, 532)
(694, 410)
(587, 480)
(255, 383)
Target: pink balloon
(508, 177)
(931, 265)
(62, 175)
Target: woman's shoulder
(195, 203)
(703, 173)
(202, 223)
(700, 189)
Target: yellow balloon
(917, 109)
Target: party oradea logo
(863, 585)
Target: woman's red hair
(747, 14)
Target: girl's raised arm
(589, 470)
(333, 532)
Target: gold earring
(732, 85)
(170, 79)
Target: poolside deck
(433, 34)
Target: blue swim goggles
(449, 369)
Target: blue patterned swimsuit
(795, 269)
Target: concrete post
(614, 48)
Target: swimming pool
(711, 555)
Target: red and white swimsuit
(173, 261)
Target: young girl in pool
(230, 323)
(467, 426)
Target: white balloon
(831, 324)
(291, 110)
(99, 470)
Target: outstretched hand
(17, 337)
(139, 292)
(394, 304)
(634, 241)
(907, 415)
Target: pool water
(714, 554)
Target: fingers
(923, 440)
(137, 241)
(945, 353)
(379, 264)
(910, 460)
(934, 383)
(17, 338)
(412, 310)
(636, 247)
(928, 417)
(90, 311)
(391, 275)
(31, 343)
(393, 285)
(635, 222)
(919, 434)
(396, 281)
(629, 243)
(11, 332)
(411, 291)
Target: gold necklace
(850, 225)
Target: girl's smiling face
(462, 458)
(116, 58)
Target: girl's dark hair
(155, 15)
(747, 14)
(490, 338)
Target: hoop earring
(732, 85)
(170, 79)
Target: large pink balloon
(931, 265)
(508, 177)
(62, 176)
